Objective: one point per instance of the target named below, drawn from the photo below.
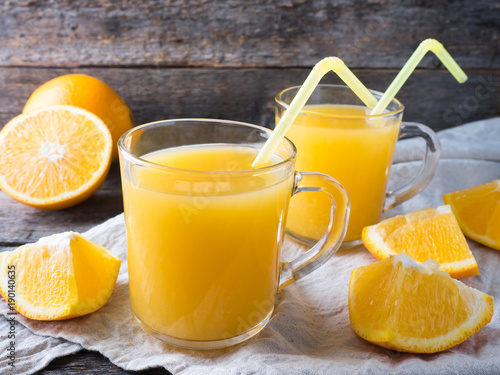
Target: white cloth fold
(310, 331)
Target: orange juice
(340, 141)
(203, 248)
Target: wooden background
(228, 59)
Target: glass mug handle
(335, 232)
(427, 169)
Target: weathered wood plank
(431, 97)
(292, 33)
(86, 362)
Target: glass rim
(130, 157)
(377, 94)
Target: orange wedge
(478, 212)
(54, 157)
(59, 277)
(89, 93)
(431, 233)
(413, 307)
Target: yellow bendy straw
(424, 47)
(318, 71)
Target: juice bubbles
(341, 141)
(203, 249)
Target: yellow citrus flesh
(431, 233)
(55, 157)
(59, 277)
(89, 93)
(478, 212)
(413, 307)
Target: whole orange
(89, 93)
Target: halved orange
(413, 307)
(54, 157)
(59, 277)
(89, 93)
(478, 212)
(431, 233)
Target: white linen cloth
(310, 331)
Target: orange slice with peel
(431, 233)
(59, 277)
(478, 212)
(413, 307)
(54, 157)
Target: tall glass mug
(335, 135)
(205, 230)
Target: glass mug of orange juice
(205, 229)
(334, 134)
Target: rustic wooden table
(227, 59)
